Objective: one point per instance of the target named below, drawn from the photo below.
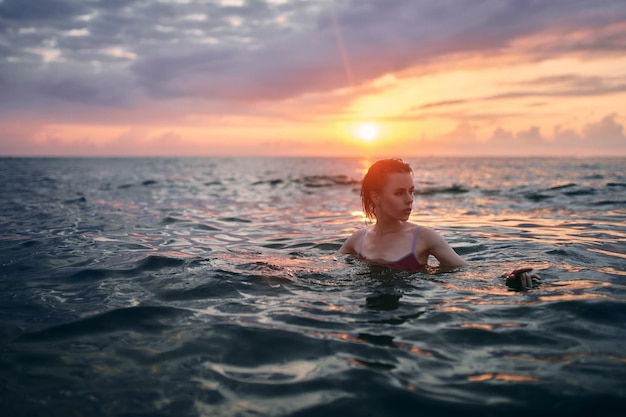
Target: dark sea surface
(210, 287)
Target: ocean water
(210, 287)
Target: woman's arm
(441, 250)
(520, 279)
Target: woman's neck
(388, 226)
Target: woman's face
(395, 201)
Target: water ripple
(211, 287)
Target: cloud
(565, 85)
(606, 131)
(604, 137)
(33, 11)
(277, 51)
(122, 62)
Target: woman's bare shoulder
(426, 231)
(430, 235)
(350, 246)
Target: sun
(367, 132)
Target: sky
(313, 78)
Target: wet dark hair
(374, 181)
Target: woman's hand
(521, 279)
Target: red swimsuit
(406, 263)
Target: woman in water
(387, 196)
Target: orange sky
(195, 78)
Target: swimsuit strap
(414, 245)
(361, 241)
